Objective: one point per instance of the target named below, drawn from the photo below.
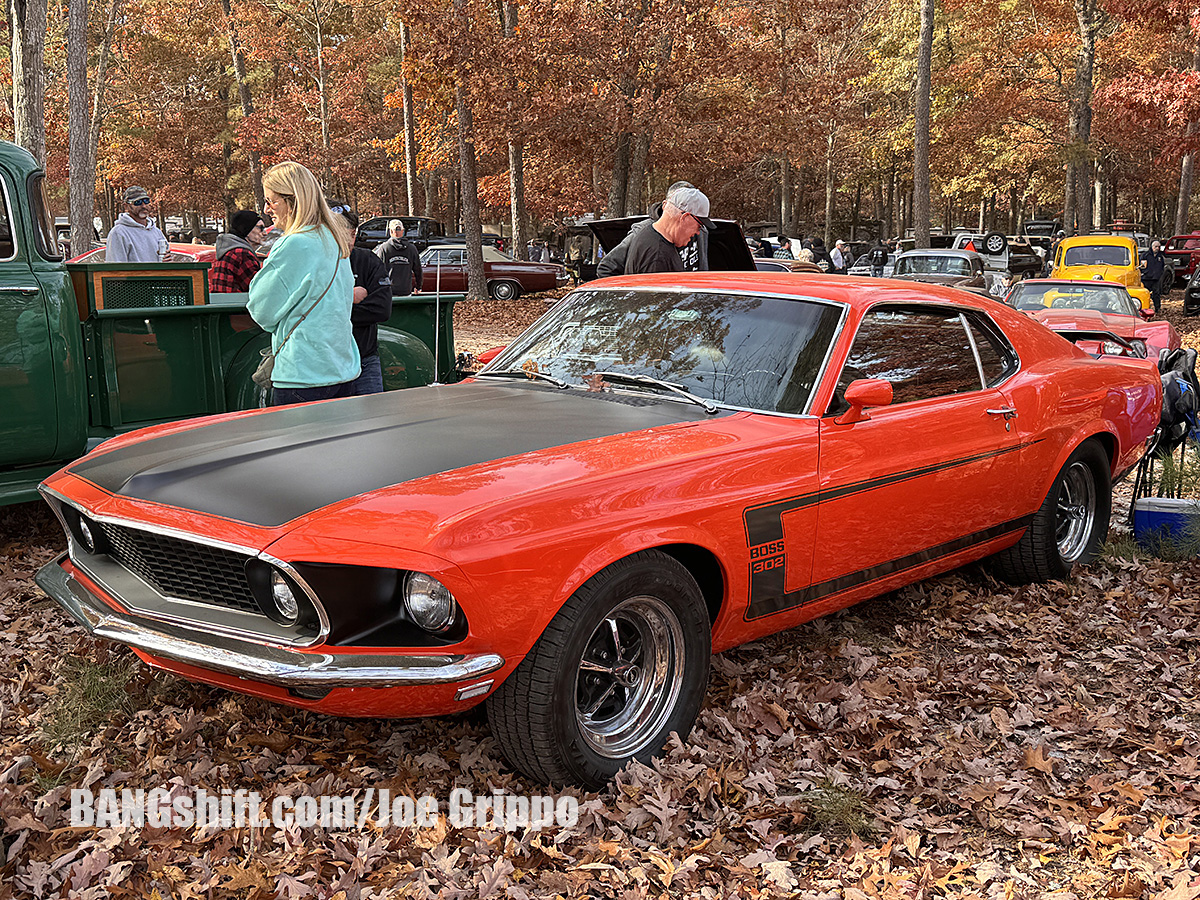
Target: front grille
(183, 569)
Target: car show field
(957, 733)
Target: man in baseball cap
(135, 237)
(656, 249)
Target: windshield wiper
(515, 373)
(647, 381)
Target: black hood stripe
(269, 469)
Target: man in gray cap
(656, 249)
(135, 237)
(401, 260)
(694, 255)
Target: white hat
(692, 201)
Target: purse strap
(311, 308)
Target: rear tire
(505, 291)
(622, 665)
(1070, 526)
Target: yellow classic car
(1103, 257)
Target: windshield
(1104, 298)
(933, 265)
(760, 353)
(1041, 229)
(1096, 255)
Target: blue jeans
(287, 396)
(370, 380)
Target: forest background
(806, 116)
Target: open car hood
(727, 250)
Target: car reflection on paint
(661, 467)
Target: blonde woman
(304, 292)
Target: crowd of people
(319, 297)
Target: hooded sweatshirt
(130, 242)
(227, 242)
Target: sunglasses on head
(145, 201)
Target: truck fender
(240, 390)
(406, 360)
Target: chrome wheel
(1076, 511)
(629, 677)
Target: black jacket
(403, 263)
(376, 307)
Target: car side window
(996, 355)
(924, 353)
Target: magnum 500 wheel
(622, 665)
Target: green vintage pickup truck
(91, 350)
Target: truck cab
(92, 350)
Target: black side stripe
(763, 603)
(764, 523)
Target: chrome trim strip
(254, 661)
(322, 616)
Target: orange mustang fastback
(660, 467)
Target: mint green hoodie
(321, 351)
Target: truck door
(28, 404)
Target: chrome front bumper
(253, 661)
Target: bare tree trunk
(27, 21)
(1187, 169)
(410, 138)
(472, 229)
(1080, 121)
(101, 84)
(620, 175)
(638, 157)
(1069, 198)
(785, 195)
(247, 103)
(82, 187)
(830, 142)
(921, 128)
(516, 144)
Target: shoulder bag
(262, 375)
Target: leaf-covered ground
(959, 738)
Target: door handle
(1007, 411)
(14, 289)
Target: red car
(1183, 250)
(1094, 312)
(179, 253)
(444, 267)
(661, 467)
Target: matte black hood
(271, 468)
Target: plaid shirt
(233, 271)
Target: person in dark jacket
(821, 255)
(236, 261)
(1154, 267)
(878, 258)
(401, 260)
(694, 254)
(372, 305)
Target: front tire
(622, 665)
(1070, 526)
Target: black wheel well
(705, 568)
(1108, 443)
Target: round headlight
(85, 536)
(429, 602)
(285, 599)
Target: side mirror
(1146, 313)
(862, 393)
